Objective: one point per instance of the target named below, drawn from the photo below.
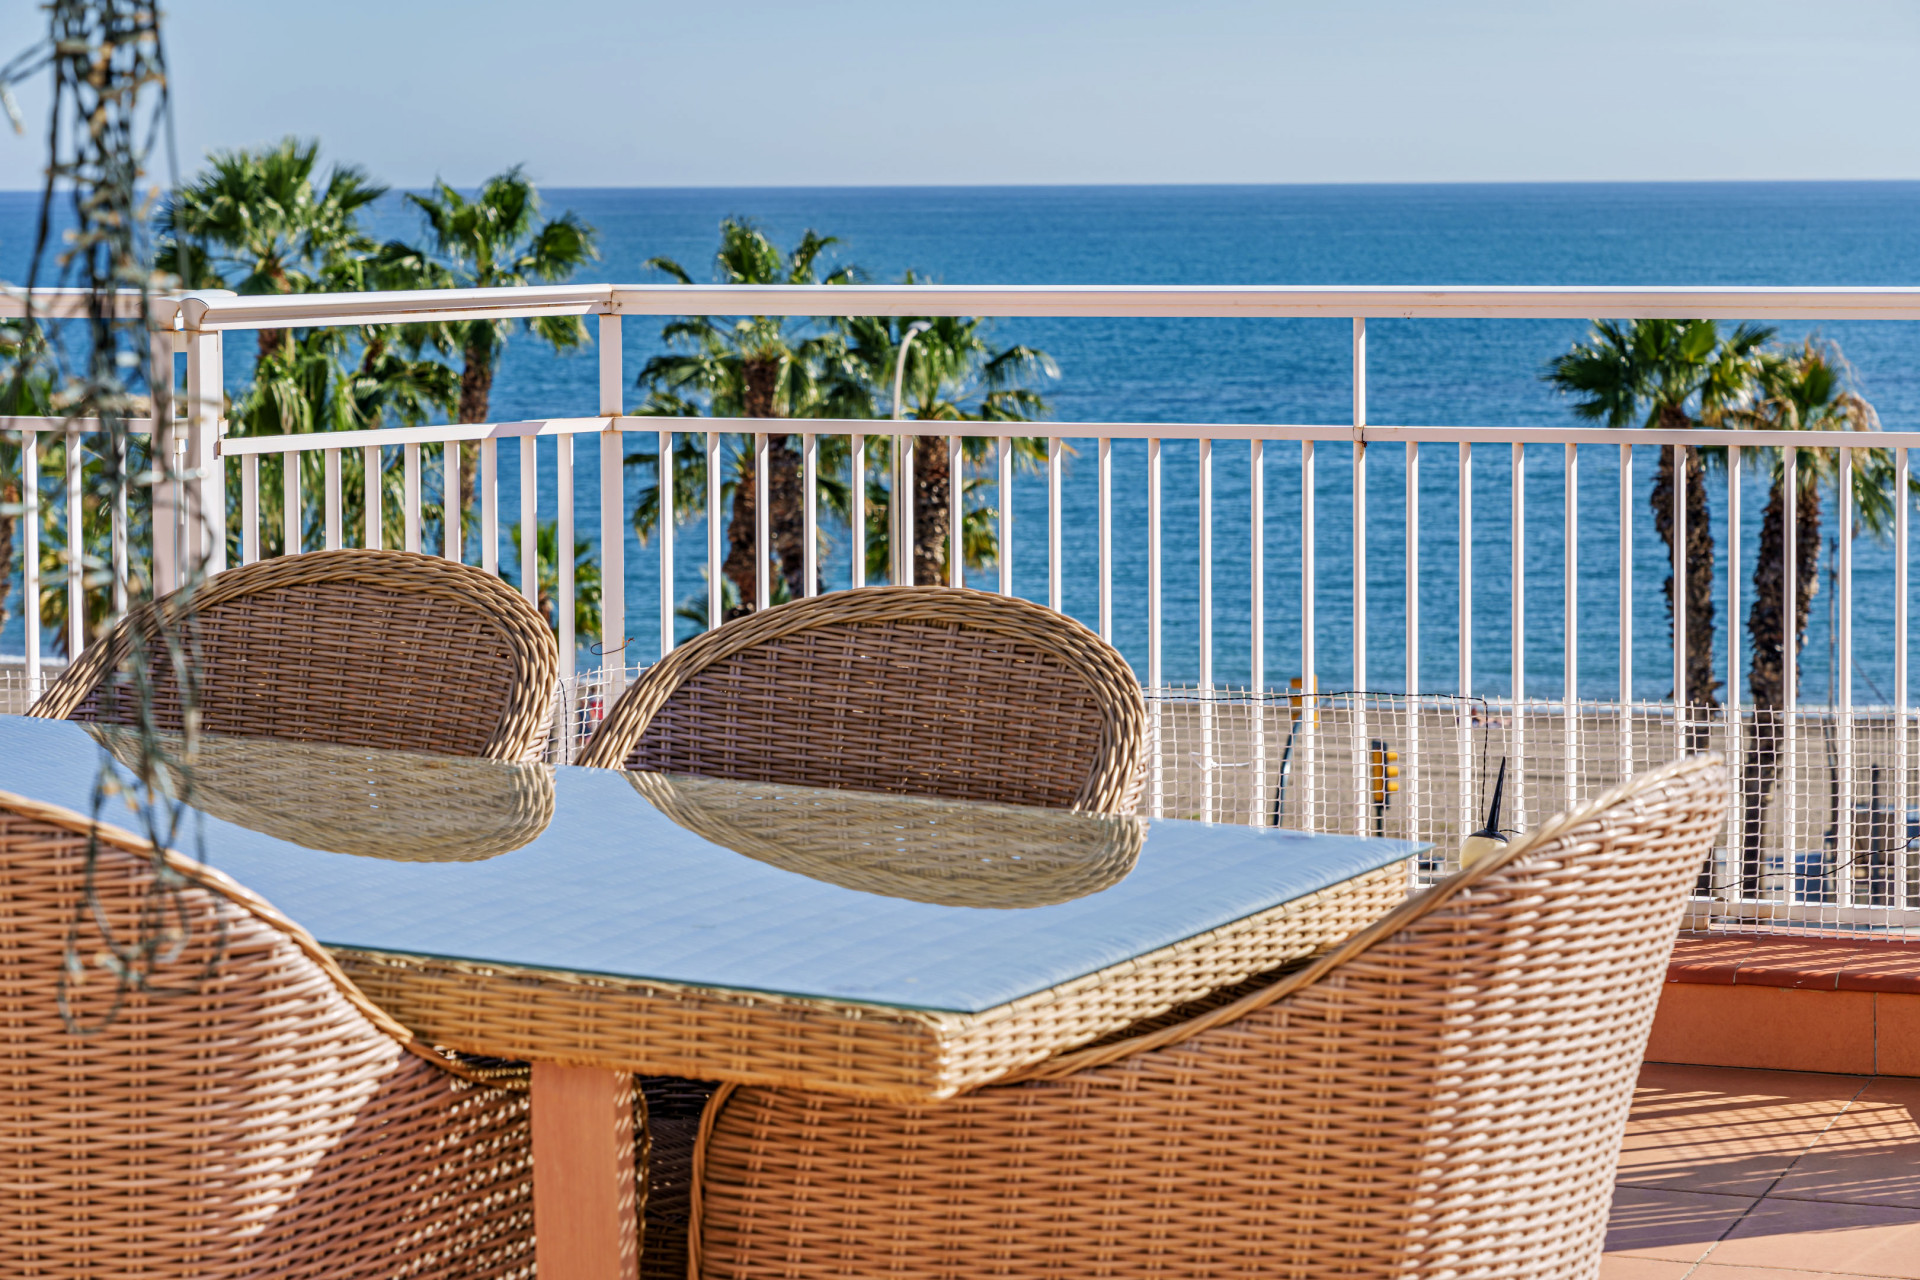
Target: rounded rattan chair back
(1443, 1095)
(933, 691)
(356, 647)
(246, 1112)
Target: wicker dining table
(603, 924)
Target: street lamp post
(900, 508)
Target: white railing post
(1412, 551)
(613, 513)
(563, 565)
(1466, 570)
(410, 518)
(165, 492)
(1358, 523)
(332, 508)
(529, 514)
(716, 585)
(1736, 744)
(1844, 851)
(373, 471)
(206, 490)
(1006, 515)
(810, 514)
(30, 556)
(1055, 569)
(76, 547)
(762, 537)
(1570, 621)
(1517, 635)
(1257, 613)
(1902, 499)
(1106, 538)
(956, 513)
(1790, 665)
(857, 511)
(664, 484)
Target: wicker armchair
(359, 648)
(249, 1114)
(1443, 1095)
(934, 691)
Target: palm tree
(1668, 374)
(756, 367)
(1805, 390)
(586, 579)
(262, 222)
(497, 240)
(953, 374)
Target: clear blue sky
(851, 92)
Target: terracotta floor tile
(1619, 1266)
(1870, 1154)
(1726, 1131)
(1676, 1225)
(1809, 1235)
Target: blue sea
(1427, 372)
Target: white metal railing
(188, 508)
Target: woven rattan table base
(658, 1028)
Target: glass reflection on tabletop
(402, 806)
(947, 852)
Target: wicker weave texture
(251, 1118)
(711, 1034)
(356, 647)
(937, 691)
(1444, 1095)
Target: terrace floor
(1767, 1175)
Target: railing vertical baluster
(1257, 616)
(332, 511)
(1410, 757)
(716, 584)
(529, 517)
(1055, 569)
(1413, 567)
(762, 538)
(1303, 772)
(1466, 570)
(1790, 666)
(121, 552)
(1517, 633)
(1570, 619)
(1006, 514)
(76, 548)
(373, 486)
(1720, 885)
(857, 511)
(1682, 718)
(489, 504)
(905, 527)
(563, 557)
(410, 501)
(1902, 499)
(1157, 728)
(1625, 656)
(249, 508)
(1844, 872)
(452, 513)
(30, 556)
(1106, 539)
(1205, 620)
(810, 486)
(293, 506)
(613, 515)
(664, 485)
(956, 513)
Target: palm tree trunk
(1766, 678)
(1701, 682)
(786, 509)
(932, 522)
(476, 395)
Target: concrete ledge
(1791, 1004)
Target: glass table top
(921, 903)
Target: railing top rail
(213, 312)
(232, 446)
